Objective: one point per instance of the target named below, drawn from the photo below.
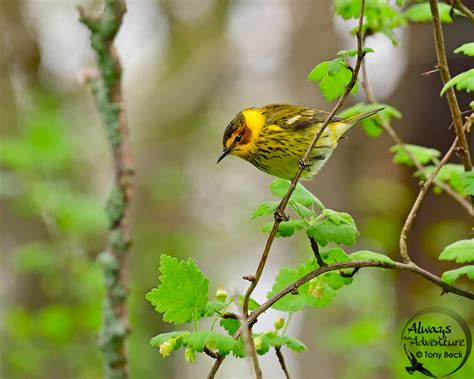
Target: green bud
(189, 355)
(258, 341)
(167, 347)
(279, 323)
(221, 293)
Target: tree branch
(215, 367)
(450, 94)
(355, 264)
(457, 4)
(281, 359)
(416, 205)
(105, 85)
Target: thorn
(294, 291)
(303, 165)
(428, 73)
(87, 74)
(250, 278)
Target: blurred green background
(189, 67)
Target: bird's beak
(223, 154)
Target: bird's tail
(361, 116)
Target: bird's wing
(294, 116)
(425, 371)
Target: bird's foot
(303, 165)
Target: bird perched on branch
(274, 138)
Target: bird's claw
(303, 165)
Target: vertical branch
(105, 84)
(450, 94)
(281, 359)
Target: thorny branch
(105, 85)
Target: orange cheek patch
(246, 137)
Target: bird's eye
(238, 138)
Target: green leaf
(285, 228)
(460, 251)
(315, 293)
(333, 78)
(466, 49)
(303, 212)
(334, 227)
(231, 325)
(353, 53)
(182, 292)
(252, 303)
(267, 207)
(212, 307)
(262, 343)
(423, 154)
(279, 188)
(365, 255)
(213, 340)
(467, 179)
(290, 342)
(450, 173)
(451, 276)
(422, 13)
(462, 81)
(177, 336)
(400, 3)
(373, 126)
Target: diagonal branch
(105, 85)
(457, 4)
(281, 359)
(416, 205)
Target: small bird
(415, 365)
(275, 137)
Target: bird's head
(241, 133)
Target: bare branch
(450, 94)
(281, 359)
(416, 205)
(215, 367)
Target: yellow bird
(275, 137)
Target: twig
(450, 94)
(315, 248)
(281, 359)
(457, 4)
(250, 344)
(397, 139)
(355, 264)
(215, 367)
(105, 85)
(305, 160)
(416, 205)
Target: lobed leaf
(423, 154)
(460, 251)
(334, 227)
(451, 276)
(466, 49)
(365, 255)
(333, 78)
(279, 187)
(231, 325)
(213, 340)
(266, 207)
(462, 81)
(422, 13)
(182, 292)
(467, 180)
